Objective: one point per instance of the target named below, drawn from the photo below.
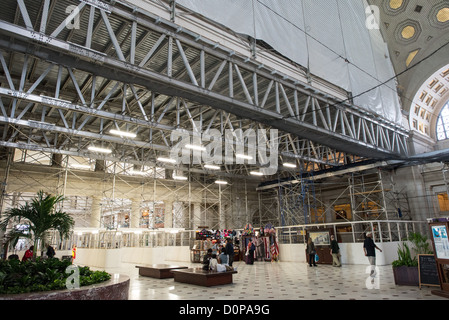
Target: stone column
(95, 215)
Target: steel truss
(126, 68)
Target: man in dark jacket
(335, 252)
(230, 250)
(370, 250)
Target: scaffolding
(297, 201)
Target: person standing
(50, 252)
(230, 251)
(28, 254)
(250, 248)
(370, 250)
(335, 252)
(311, 252)
(73, 253)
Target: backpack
(253, 247)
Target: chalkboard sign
(428, 273)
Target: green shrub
(42, 275)
(420, 245)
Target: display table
(205, 278)
(159, 271)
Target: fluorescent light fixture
(289, 165)
(243, 156)
(195, 147)
(256, 173)
(123, 133)
(221, 182)
(211, 167)
(166, 160)
(101, 150)
(179, 178)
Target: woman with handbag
(311, 252)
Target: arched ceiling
(417, 35)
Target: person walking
(335, 252)
(369, 247)
(311, 252)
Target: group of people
(50, 253)
(369, 248)
(221, 259)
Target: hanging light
(98, 149)
(123, 133)
(211, 167)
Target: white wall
(112, 258)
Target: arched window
(443, 123)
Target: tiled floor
(281, 281)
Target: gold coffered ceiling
(417, 35)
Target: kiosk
(440, 242)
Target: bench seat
(159, 271)
(205, 278)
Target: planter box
(117, 288)
(406, 276)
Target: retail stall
(264, 240)
(212, 239)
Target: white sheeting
(327, 36)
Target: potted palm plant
(405, 268)
(38, 216)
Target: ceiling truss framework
(64, 87)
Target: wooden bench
(205, 278)
(159, 271)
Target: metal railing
(354, 231)
(347, 232)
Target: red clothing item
(28, 255)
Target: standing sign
(427, 269)
(440, 244)
(440, 240)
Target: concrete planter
(406, 276)
(117, 288)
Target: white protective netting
(329, 37)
